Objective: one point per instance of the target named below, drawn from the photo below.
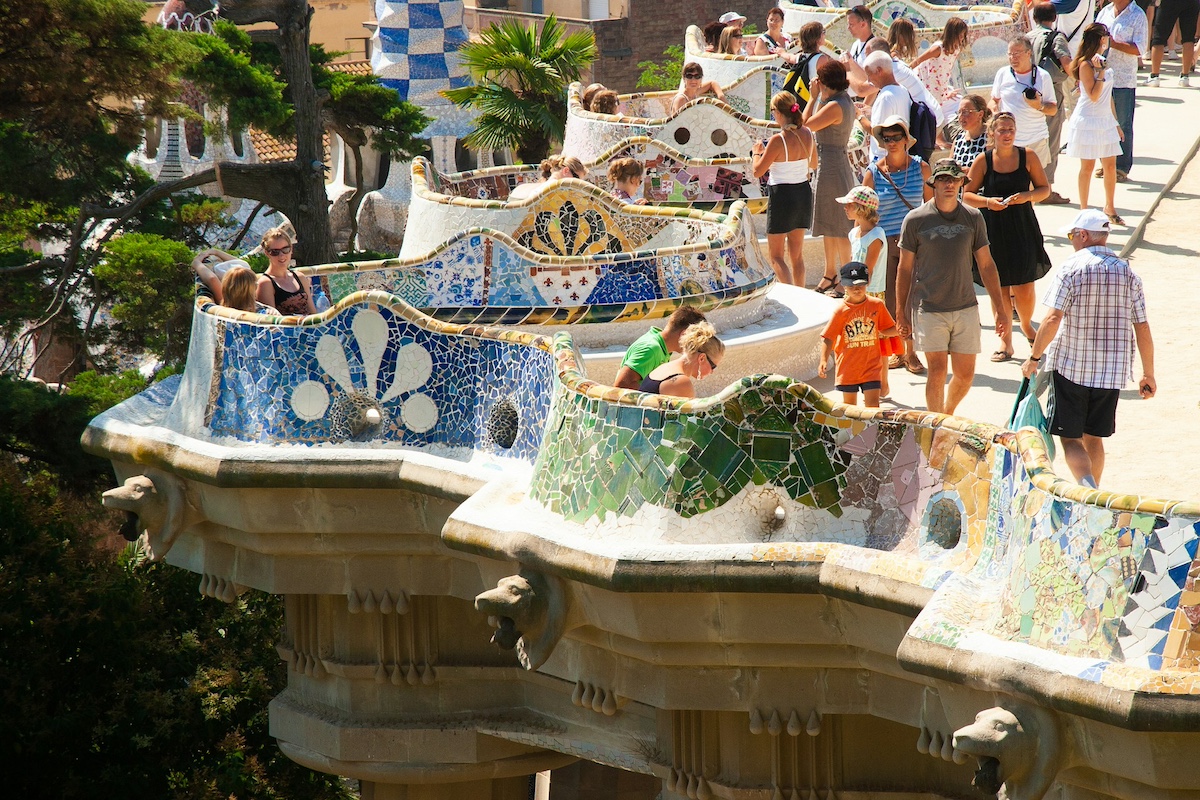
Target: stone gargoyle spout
(528, 611)
(1018, 748)
(159, 501)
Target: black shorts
(1081, 409)
(790, 207)
(855, 388)
(1185, 12)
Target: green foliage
(664, 75)
(102, 392)
(520, 77)
(235, 74)
(117, 679)
(42, 429)
(359, 106)
(150, 282)
(363, 255)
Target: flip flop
(896, 361)
(915, 368)
(1115, 219)
(1000, 356)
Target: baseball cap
(1090, 219)
(862, 195)
(946, 166)
(854, 273)
(730, 16)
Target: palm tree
(520, 78)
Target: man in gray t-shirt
(935, 295)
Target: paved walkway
(1155, 450)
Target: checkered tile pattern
(416, 53)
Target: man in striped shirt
(1097, 315)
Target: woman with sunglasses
(902, 183)
(731, 41)
(701, 353)
(551, 168)
(694, 85)
(281, 286)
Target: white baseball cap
(1090, 219)
(730, 16)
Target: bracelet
(1035, 359)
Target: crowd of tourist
(908, 235)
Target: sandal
(896, 362)
(819, 289)
(1115, 219)
(915, 366)
(1000, 356)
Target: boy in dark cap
(853, 335)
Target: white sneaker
(1152, 81)
(1184, 80)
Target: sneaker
(1184, 81)
(1152, 81)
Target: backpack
(922, 124)
(797, 79)
(1043, 56)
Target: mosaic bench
(1061, 587)
(705, 128)
(990, 29)
(571, 253)
(672, 178)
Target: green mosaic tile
(765, 447)
(815, 463)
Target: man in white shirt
(1127, 41)
(858, 20)
(891, 99)
(1025, 90)
(861, 86)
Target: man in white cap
(892, 100)
(1094, 298)
(732, 18)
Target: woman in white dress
(1093, 132)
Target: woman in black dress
(1004, 183)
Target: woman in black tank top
(702, 352)
(280, 286)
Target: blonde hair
(867, 217)
(727, 35)
(623, 169)
(553, 164)
(701, 337)
(788, 107)
(278, 232)
(239, 288)
(902, 39)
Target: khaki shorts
(948, 331)
(1042, 148)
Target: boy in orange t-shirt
(853, 335)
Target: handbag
(1027, 413)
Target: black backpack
(922, 124)
(1044, 56)
(797, 79)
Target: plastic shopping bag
(1027, 413)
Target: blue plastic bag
(1028, 413)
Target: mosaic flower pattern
(566, 231)
(371, 374)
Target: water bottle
(320, 301)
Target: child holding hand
(853, 335)
(868, 244)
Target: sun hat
(1090, 219)
(855, 273)
(730, 16)
(946, 166)
(894, 121)
(862, 195)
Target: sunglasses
(892, 138)
(711, 366)
(693, 77)
(279, 251)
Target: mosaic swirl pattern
(672, 178)
(990, 29)
(703, 129)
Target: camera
(1031, 93)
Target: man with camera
(1093, 298)
(1025, 90)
